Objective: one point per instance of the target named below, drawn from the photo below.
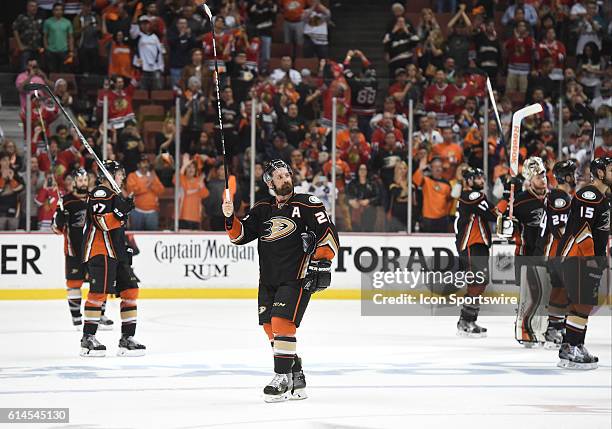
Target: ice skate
(77, 323)
(299, 381)
(105, 324)
(554, 338)
(91, 347)
(279, 389)
(128, 346)
(576, 357)
(470, 329)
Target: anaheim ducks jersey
(552, 227)
(277, 229)
(104, 232)
(474, 212)
(588, 224)
(529, 211)
(72, 230)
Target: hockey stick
(212, 25)
(60, 202)
(515, 139)
(40, 86)
(592, 118)
(494, 104)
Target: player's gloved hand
(318, 275)
(123, 206)
(309, 241)
(228, 208)
(505, 226)
(61, 217)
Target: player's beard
(81, 191)
(284, 190)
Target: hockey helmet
(600, 164)
(113, 167)
(562, 169)
(79, 172)
(273, 165)
(533, 167)
(472, 172)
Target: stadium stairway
(361, 24)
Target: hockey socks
(284, 354)
(128, 312)
(557, 308)
(73, 292)
(575, 328)
(93, 311)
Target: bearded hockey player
(109, 261)
(69, 220)
(296, 243)
(584, 258)
(473, 240)
(552, 228)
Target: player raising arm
(296, 243)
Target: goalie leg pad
(532, 316)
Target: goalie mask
(563, 169)
(533, 167)
(269, 169)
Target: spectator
(300, 166)
(120, 109)
(397, 212)
(387, 127)
(242, 76)
(216, 187)
(293, 125)
(130, 147)
(605, 149)
(27, 31)
(322, 189)
(343, 174)
(488, 50)
(293, 25)
(399, 120)
(116, 18)
(37, 180)
(310, 96)
(531, 15)
(363, 198)
(427, 24)
(193, 191)
(591, 68)
(286, 73)
(149, 55)
(10, 186)
(61, 92)
(427, 135)
(459, 39)
(58, 40)
(194, 21)
(364, 88)
(32, 74)
(120, 57)
(224, 40)
(230, 113)
(87, 31)
(262, 17)
(386, 157)
(46, 201)
(449, 153)
(158, 26)
(552, 48)
(541, 79)
(437, 96)
(180, 42)
(589, 27)
(399, 44)
(198, 69)
(15, 160)
(357, 152)
(446, 6)
(315, 30)
(146, 188)
(280, 148)
(458, 93)
(437, 198)
(343, 138)
(164, 141)
(193, 111)
(520, 49)
(397, 10)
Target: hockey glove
(61, 217)
(318, 275)
(506, 226)
(123, 206)
(309, 242)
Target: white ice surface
(208, 360)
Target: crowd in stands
(137, 56)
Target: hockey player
(583, 252)
(473, 240)
(69, 220)
(296, 243)
(108, 261)
(552, 228)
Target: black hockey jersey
(474, 212)
(72, 228)
(363, 93)
(278, 229)
(529, 212)
(104, 232)
(588, 225)
(552, 227)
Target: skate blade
(105, 327)
(471, 334)
(123, 352)
(277, 398)
(92, 353)
(299, 394)
(530, 345)
(549, 345)
(566, 364)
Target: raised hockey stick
(212, 25)
(494, 104)
(515, 140)
(40, 86)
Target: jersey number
(483, 205)
(321, 217)
(98, 208)
(557, 219)
(587, 212)
(366, 96)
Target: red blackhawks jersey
(474, 212)
(277, 229)
(588, 225)
(553, 223)
(73, 228)
(119, 103)
(437, 98)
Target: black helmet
(562, 169)
(275, 164)
(600, 164)
(472, 172)
(79, 172)
(111, 166)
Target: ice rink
(208, 362)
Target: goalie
(296, 243)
